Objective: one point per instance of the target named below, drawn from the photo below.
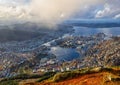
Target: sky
(51, 11)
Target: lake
(66, 54)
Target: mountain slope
(107, 53)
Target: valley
(61, 50)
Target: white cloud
(102, 13)
(14, 12)
(117, 16)
(110, 9)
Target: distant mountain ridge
(96, 23)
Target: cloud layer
(51, 11)
(58, 10)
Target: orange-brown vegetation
(1, 67)
(111, 77)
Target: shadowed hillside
(17, 35)
(27, 31)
